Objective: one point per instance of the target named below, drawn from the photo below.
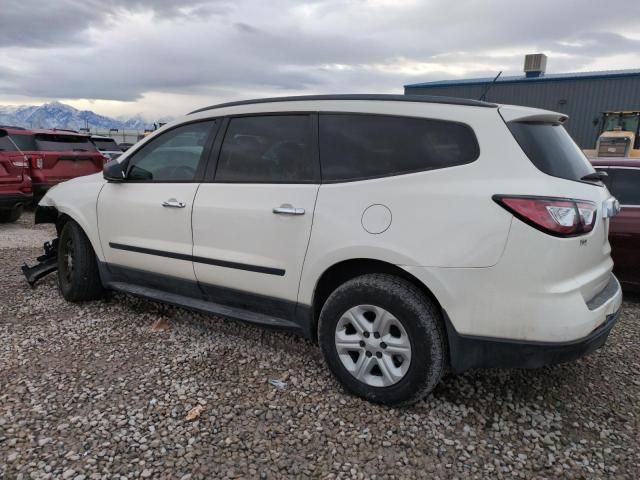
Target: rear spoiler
(535, 115)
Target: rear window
(357, 146)
(106, 145)
(6, 145)
(551, 149)
(64, 143)
(26, 143)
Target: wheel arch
(345, 270)
(59, 217)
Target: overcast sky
(167, 57)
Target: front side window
(267, 149)
(63, 143)
(356, 146)
(173, 156)
(625, 185)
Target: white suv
(409, 236)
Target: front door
(145, 221)
(251, 226)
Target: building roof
(548, 77)
(376, 97)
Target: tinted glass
(26, 143)
(364, 146)
(6, 145)
(625, 185)
(551, 149)
(173, 156)
(63, 143)
(270, 148)
(106, 145)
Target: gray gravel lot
(95, 391)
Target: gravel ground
(105, 389)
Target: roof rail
(12, 126)
(376, 97)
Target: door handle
(287, 209)
(173, 203)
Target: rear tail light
(561, 217)
(37, 162)
(20, 163)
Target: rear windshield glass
(26, 143)
(551, 149)
(64, 143)
(106, 145)
(6, 145)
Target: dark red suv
(15, 182)
(56, 155)
(623, 181)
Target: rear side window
(355, 146)
(551, 149)
(625, 185)
(64, 143)
(6, 145)
(26, 143)
(268, 149)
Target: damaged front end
(47, 263)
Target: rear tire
(383, 339)
(78, 276)
(11, 215)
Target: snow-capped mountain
(59, 115)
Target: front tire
(382, 338)
(78, 276)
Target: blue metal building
(582, 96)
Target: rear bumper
(13, 199)
(468, 352)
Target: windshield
(64, 143)
(551, 149)
(26, 143)
(106, 144)
(627, 123)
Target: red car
(623, 181)
(15, 182)
(56, 155)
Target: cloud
(141, 50)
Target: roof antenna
(486, 90)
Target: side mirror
(112, 171)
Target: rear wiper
(80, 150)
(595, 177)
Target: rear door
(251, 226)
(145, 221)
(625, 227)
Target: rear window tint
(6, 145)
(64, 143)
(26, 143)
(356, 146)
(551, 149)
